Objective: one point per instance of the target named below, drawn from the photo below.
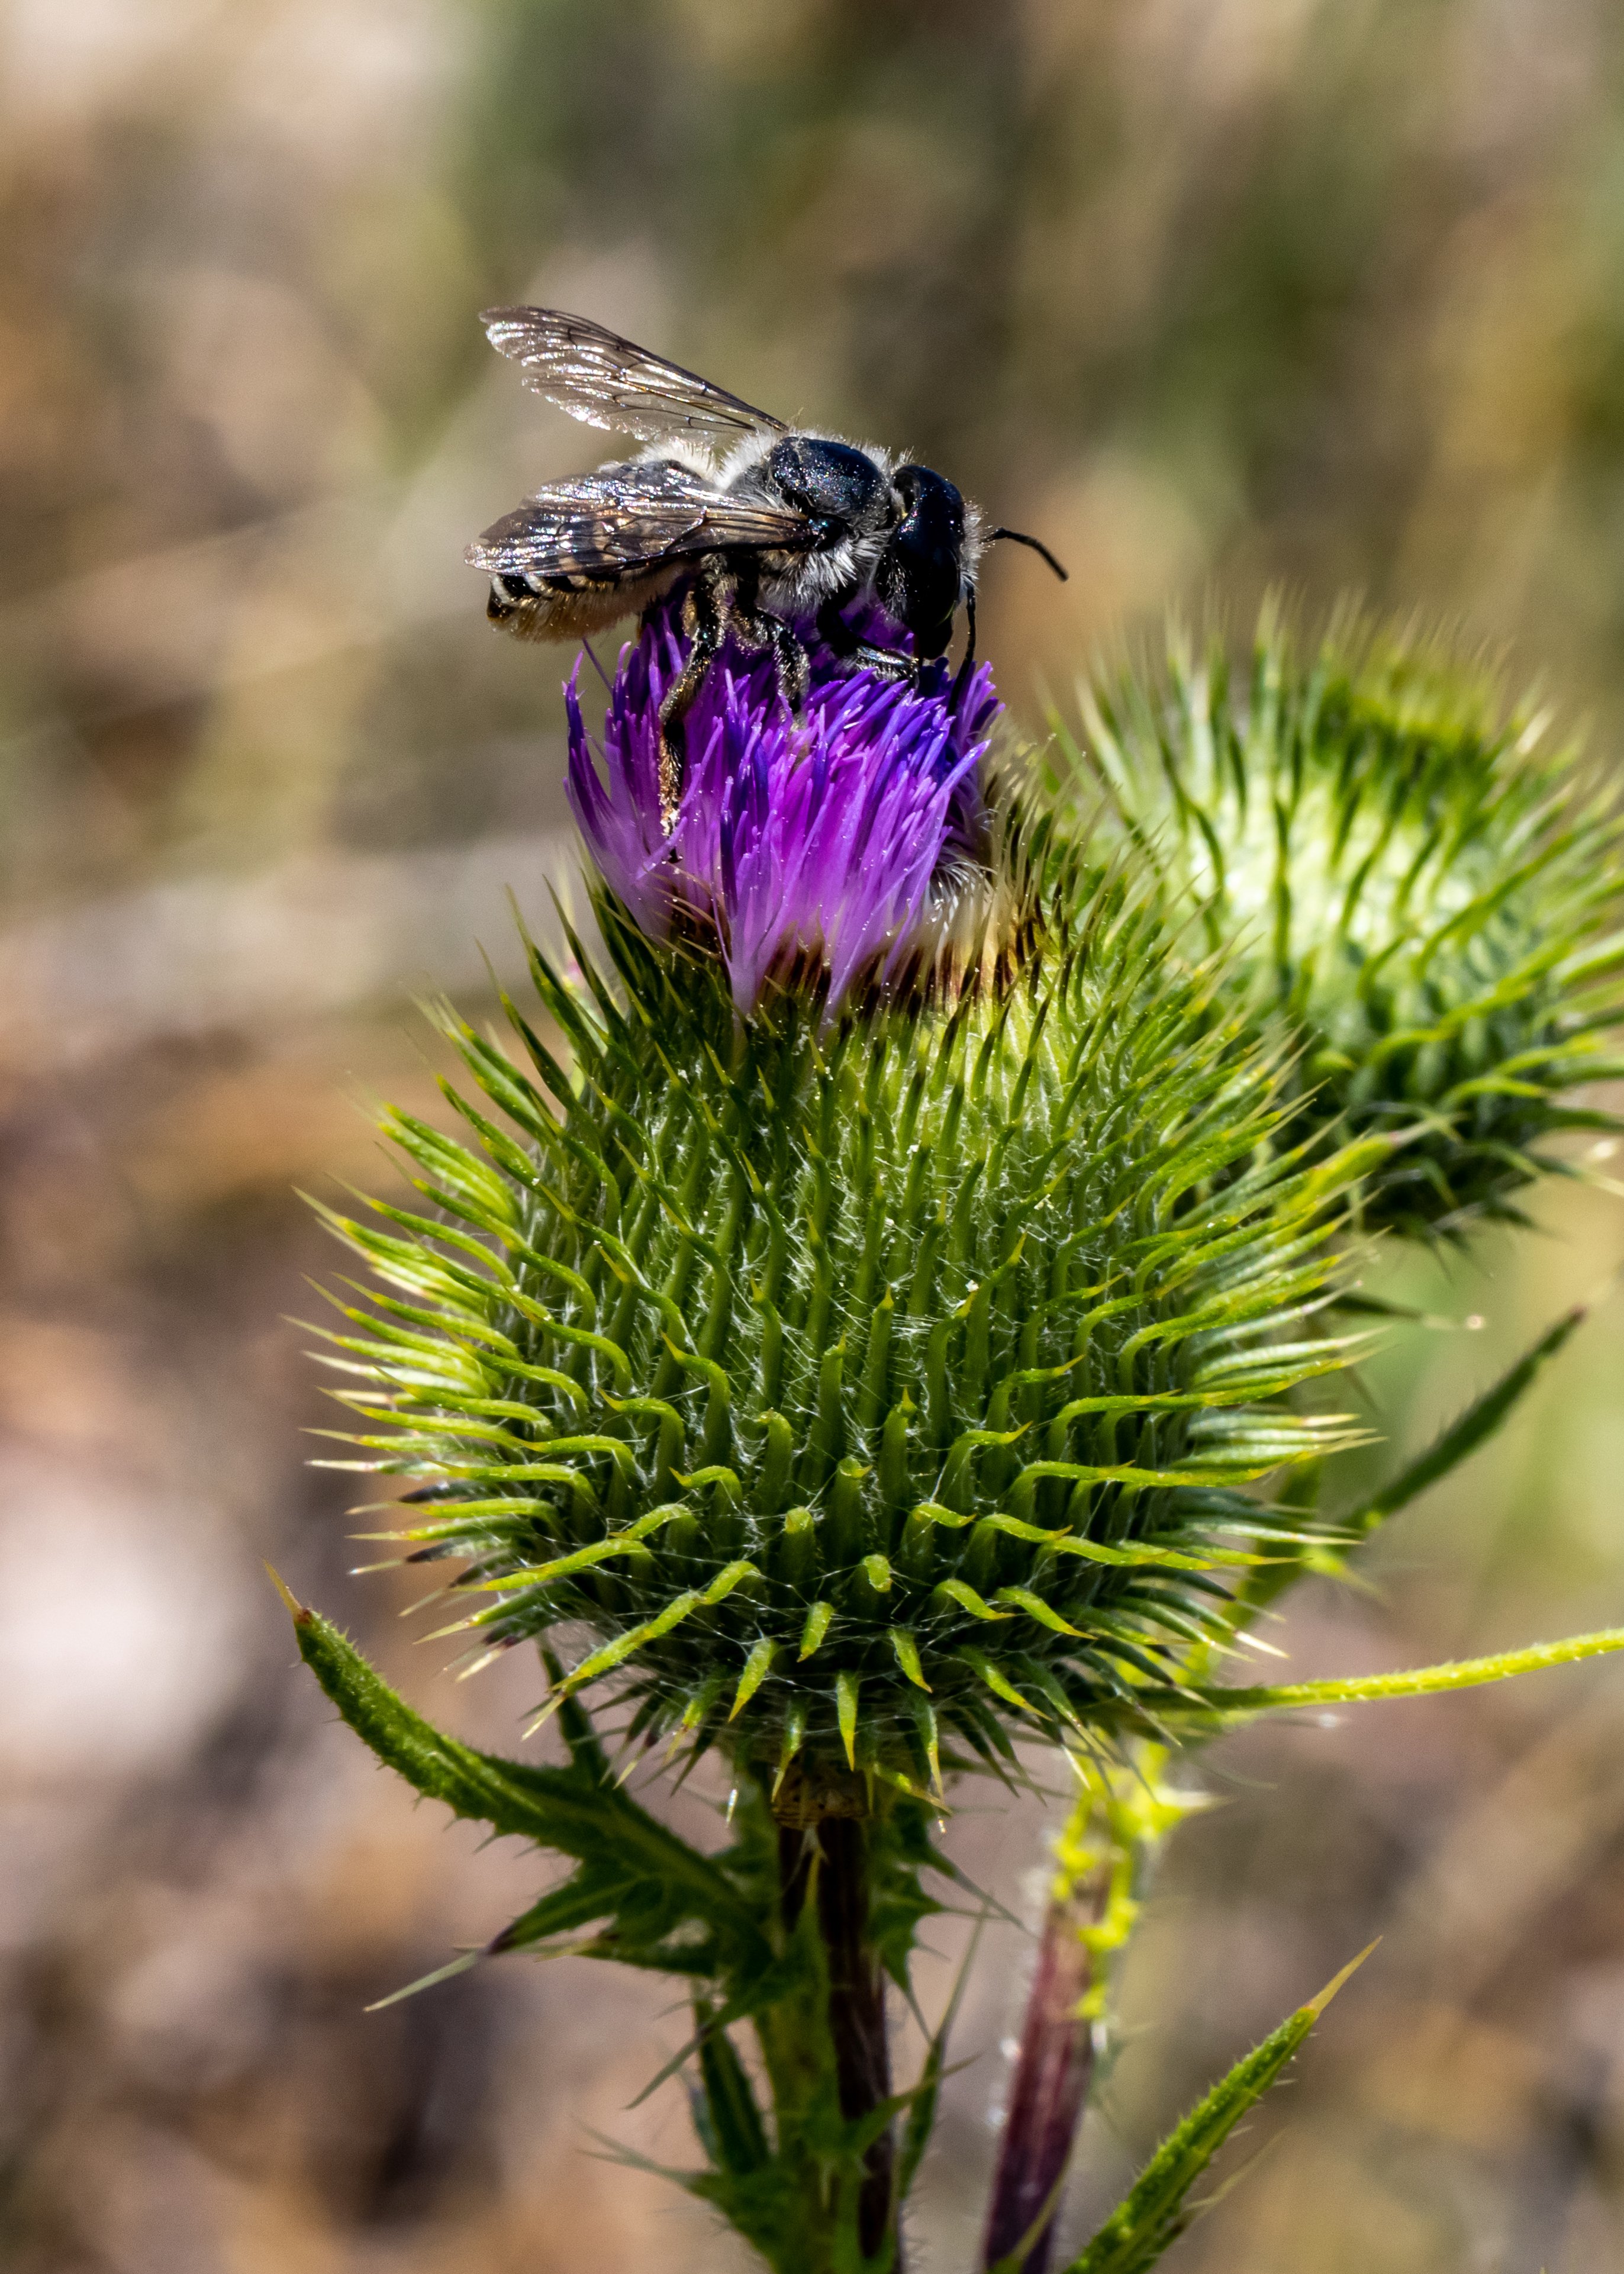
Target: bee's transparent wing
(598, 377)
(624, 518)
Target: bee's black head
(920, 579)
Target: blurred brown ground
(1210, 293)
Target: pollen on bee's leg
(670, 767)
(794, 666)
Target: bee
(768, 525)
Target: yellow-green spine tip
(1317, 2006)
(846, 1713)
(296, 1611)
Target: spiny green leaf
(1157, 2210)
(561, 1809)
(736, 2128)
(1417, 1681)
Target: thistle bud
(1421, 892)
(865, 1344)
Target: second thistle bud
(1420, 891)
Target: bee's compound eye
(831, 480)
(934, 507)
(920, 578)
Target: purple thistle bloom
(810, 845)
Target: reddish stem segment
(1050, 2086)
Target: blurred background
(1209, 293)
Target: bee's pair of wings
(638, 515)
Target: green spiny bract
(1410, 876)
(864, 1392)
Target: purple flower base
(807, 844)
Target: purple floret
(809, 846)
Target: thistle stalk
(1050, 2087)
(1102, 1857)
(829, 1865)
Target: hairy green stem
(831, 1864)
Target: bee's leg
(794, 664)
(961, 677)
(885, 662)
(706, 610)
(753, 628)
(760, 629)
(838, 635)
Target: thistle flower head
(1415, 885)
(830, 848)
(851, 1390)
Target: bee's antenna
(1019, 536)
